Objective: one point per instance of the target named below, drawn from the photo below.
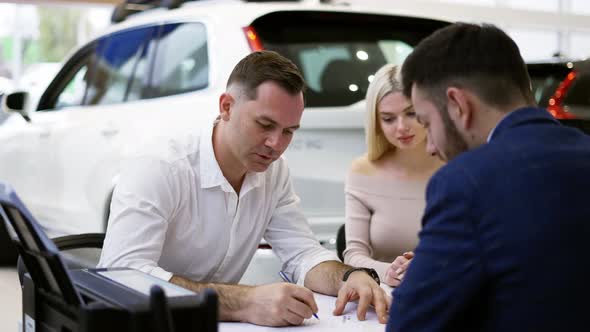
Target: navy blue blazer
(505, 244)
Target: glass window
(69, 87)
(545, 78)
(544, 5)
(340, 73)
(580, 7)
(473, 2)
(580, 44)
(182, 63)
(73, 92)
(121, 70)
(535, 44)
(577, 98)
(338, 60)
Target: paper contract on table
(327, 321)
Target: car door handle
(109, 131)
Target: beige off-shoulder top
(383, 218)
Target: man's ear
(226, 102)
(460, 106)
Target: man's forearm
(231, 298)
(326, 277)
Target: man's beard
(455, 143)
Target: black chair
(78, 251)
(341, 242)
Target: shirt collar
(210, 172)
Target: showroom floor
(10, 300)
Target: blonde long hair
(385, 81)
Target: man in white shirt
(194, 211)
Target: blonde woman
(385, 188)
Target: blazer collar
(521, 116)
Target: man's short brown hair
(481, 58)
(259, 67)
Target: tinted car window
(73, 92)
(578, 96)
(121, 70)
(545, 78)
(69, 86)
(339, 73)
(337, 58)
(182, 63)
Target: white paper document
(327, 321)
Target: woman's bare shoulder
(362, 165)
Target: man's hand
(396, 271)
(360, 286)
(279, 304)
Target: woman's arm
(358, 245)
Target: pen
(286, 279)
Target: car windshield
(337, 58)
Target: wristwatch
(371, 272)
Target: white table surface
(327, 321)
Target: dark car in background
(563, 87)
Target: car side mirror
(16, 102)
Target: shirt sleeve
(289, 233)
(358, 223)
(446, 273)
(143, 202)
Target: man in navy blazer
(505, 244)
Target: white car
(36, 78)
(160, 72)
(6, 86)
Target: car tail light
(556, 107)
(253, 39)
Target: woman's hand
(396, 271)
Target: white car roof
(239, 13)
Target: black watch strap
(371, 272)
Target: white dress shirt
(174, 213)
